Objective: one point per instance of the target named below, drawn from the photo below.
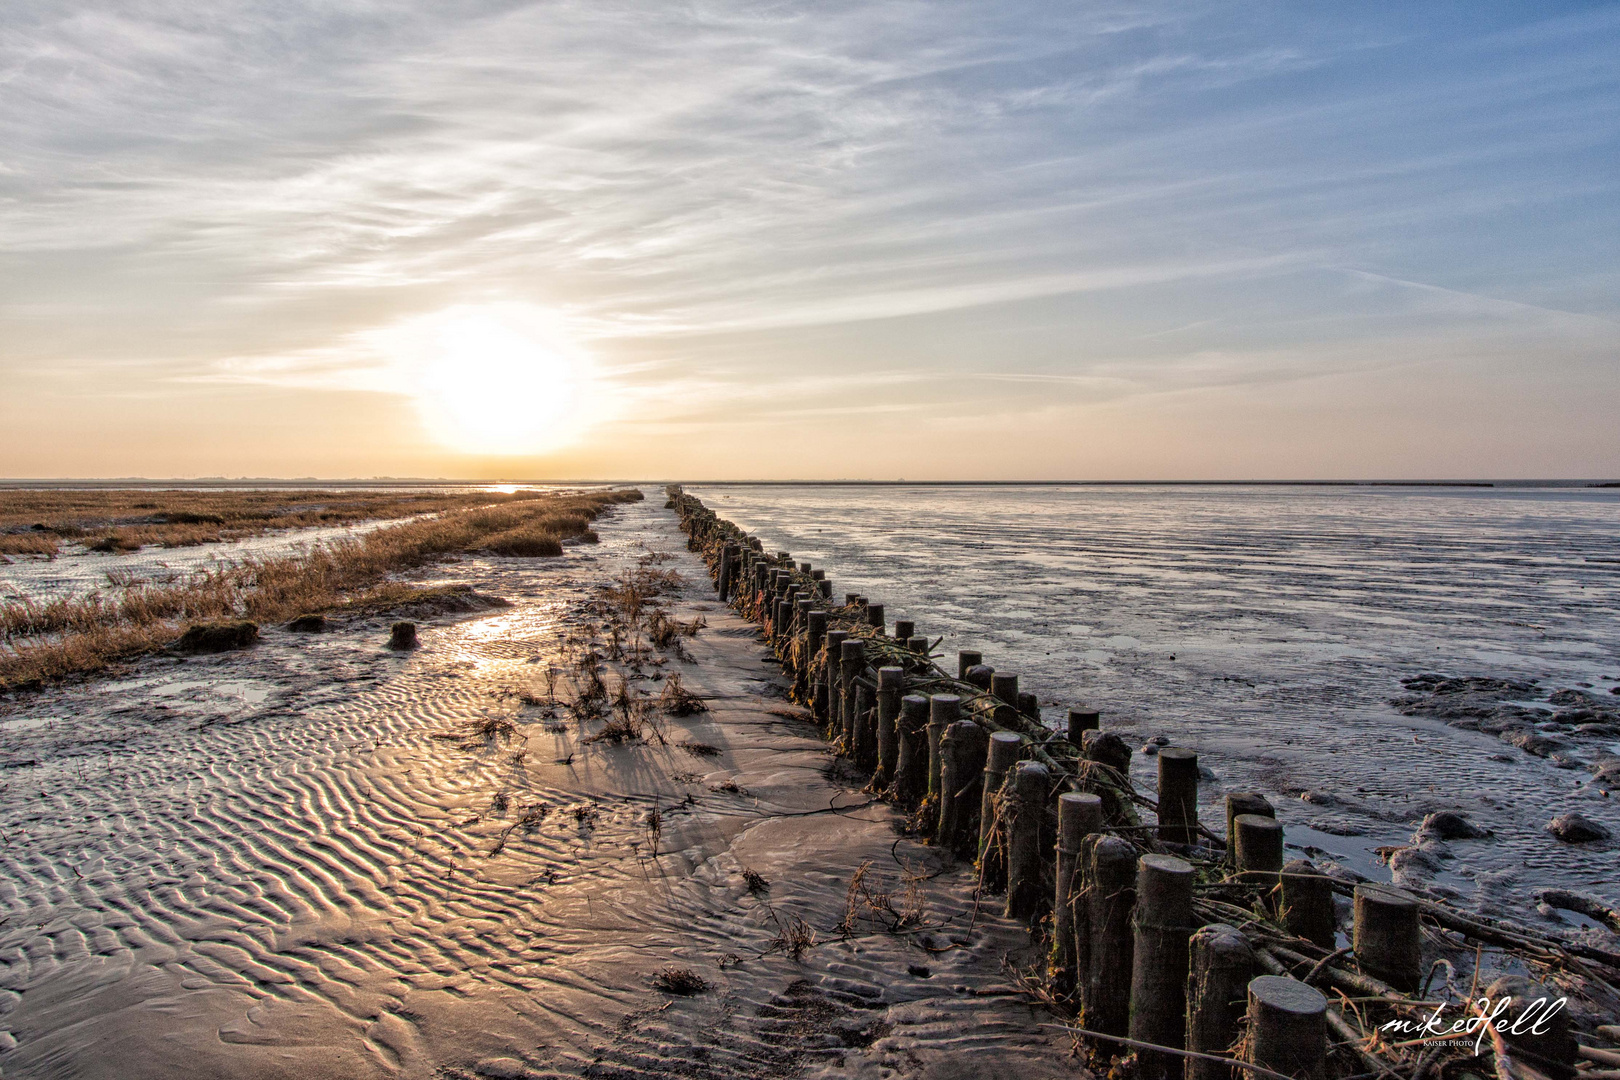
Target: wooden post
(967, 658)
(1222, 965)
(816, 623)
(903, 629)
(728, 560)
(1005, 687)
(1178, 796)
(1287, 1027)
(1387, 944)
(1307, 903)
(943, 711)
(918, 644)
(1029, 705)
(1082, 720)
(852, 599)
(961, 754)
(1108, 765)
(1079, 815)
(1107, 748)
(891, 686)
(865, 728)
(1260, 853)
(911, 771)
(805, 568)
(1259, 849)
(1163, 925)
(801, 635)
(874, 616)
(1005, 747)
(1243, 802)
(1027, 787)
(1110, 897)
(852, 659)
(833, 677)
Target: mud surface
(319, 858)
(1365, 657)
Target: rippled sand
(1270, 629)
(267, 865)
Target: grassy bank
(45, 642)
(39, 522)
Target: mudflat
(319, 857)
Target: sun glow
(498, 379)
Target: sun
(498, 379)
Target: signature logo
(1487, 1015)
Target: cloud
(254, 194)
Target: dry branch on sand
(45, 641)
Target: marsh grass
(42, 642)
(38, 522)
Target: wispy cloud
(1042, 194)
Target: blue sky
(902, 239)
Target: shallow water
(1269, 628)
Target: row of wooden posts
(1135, 950)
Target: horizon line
(388, 481)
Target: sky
(730, 240)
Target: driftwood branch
(1258, 1070)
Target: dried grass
(679, 980)
(41, 642)
(29, 543)
(867, 901)
(794, 936)
(665, 632)
(655, 829)
(620, 730)
(677, 700)
(35, 522)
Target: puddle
(249, 693)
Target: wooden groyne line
(1207, 953)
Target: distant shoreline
(407, 482)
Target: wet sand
(276, 864)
